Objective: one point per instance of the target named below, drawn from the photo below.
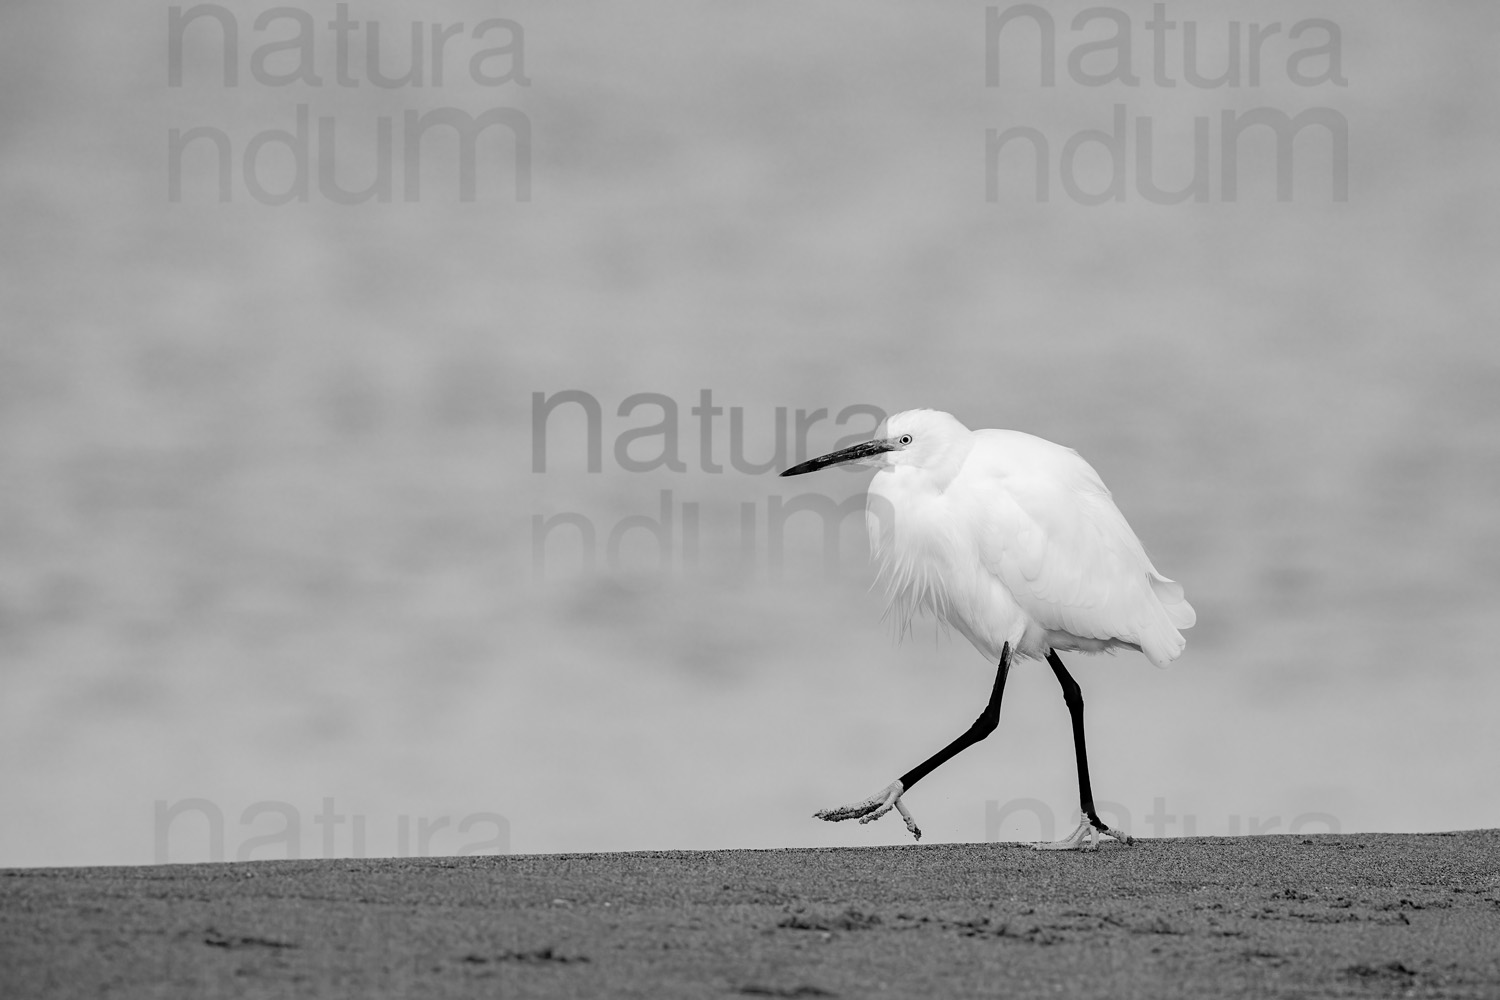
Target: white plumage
(1016, 543)
(1010, 538)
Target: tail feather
(1173, 601)
(1165, 643)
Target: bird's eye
(904, 439)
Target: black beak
(852, 454)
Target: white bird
(1015, 542)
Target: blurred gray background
(268, 516)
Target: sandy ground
(1366, 915)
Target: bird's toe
(872, 808)
(1085, 838)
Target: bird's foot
(873, 808)
(1086, 838)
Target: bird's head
(921, 438)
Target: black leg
(987, 722)
(1073, 696)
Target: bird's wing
(1054, 537)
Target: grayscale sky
(291, 563)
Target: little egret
(1016, 543)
